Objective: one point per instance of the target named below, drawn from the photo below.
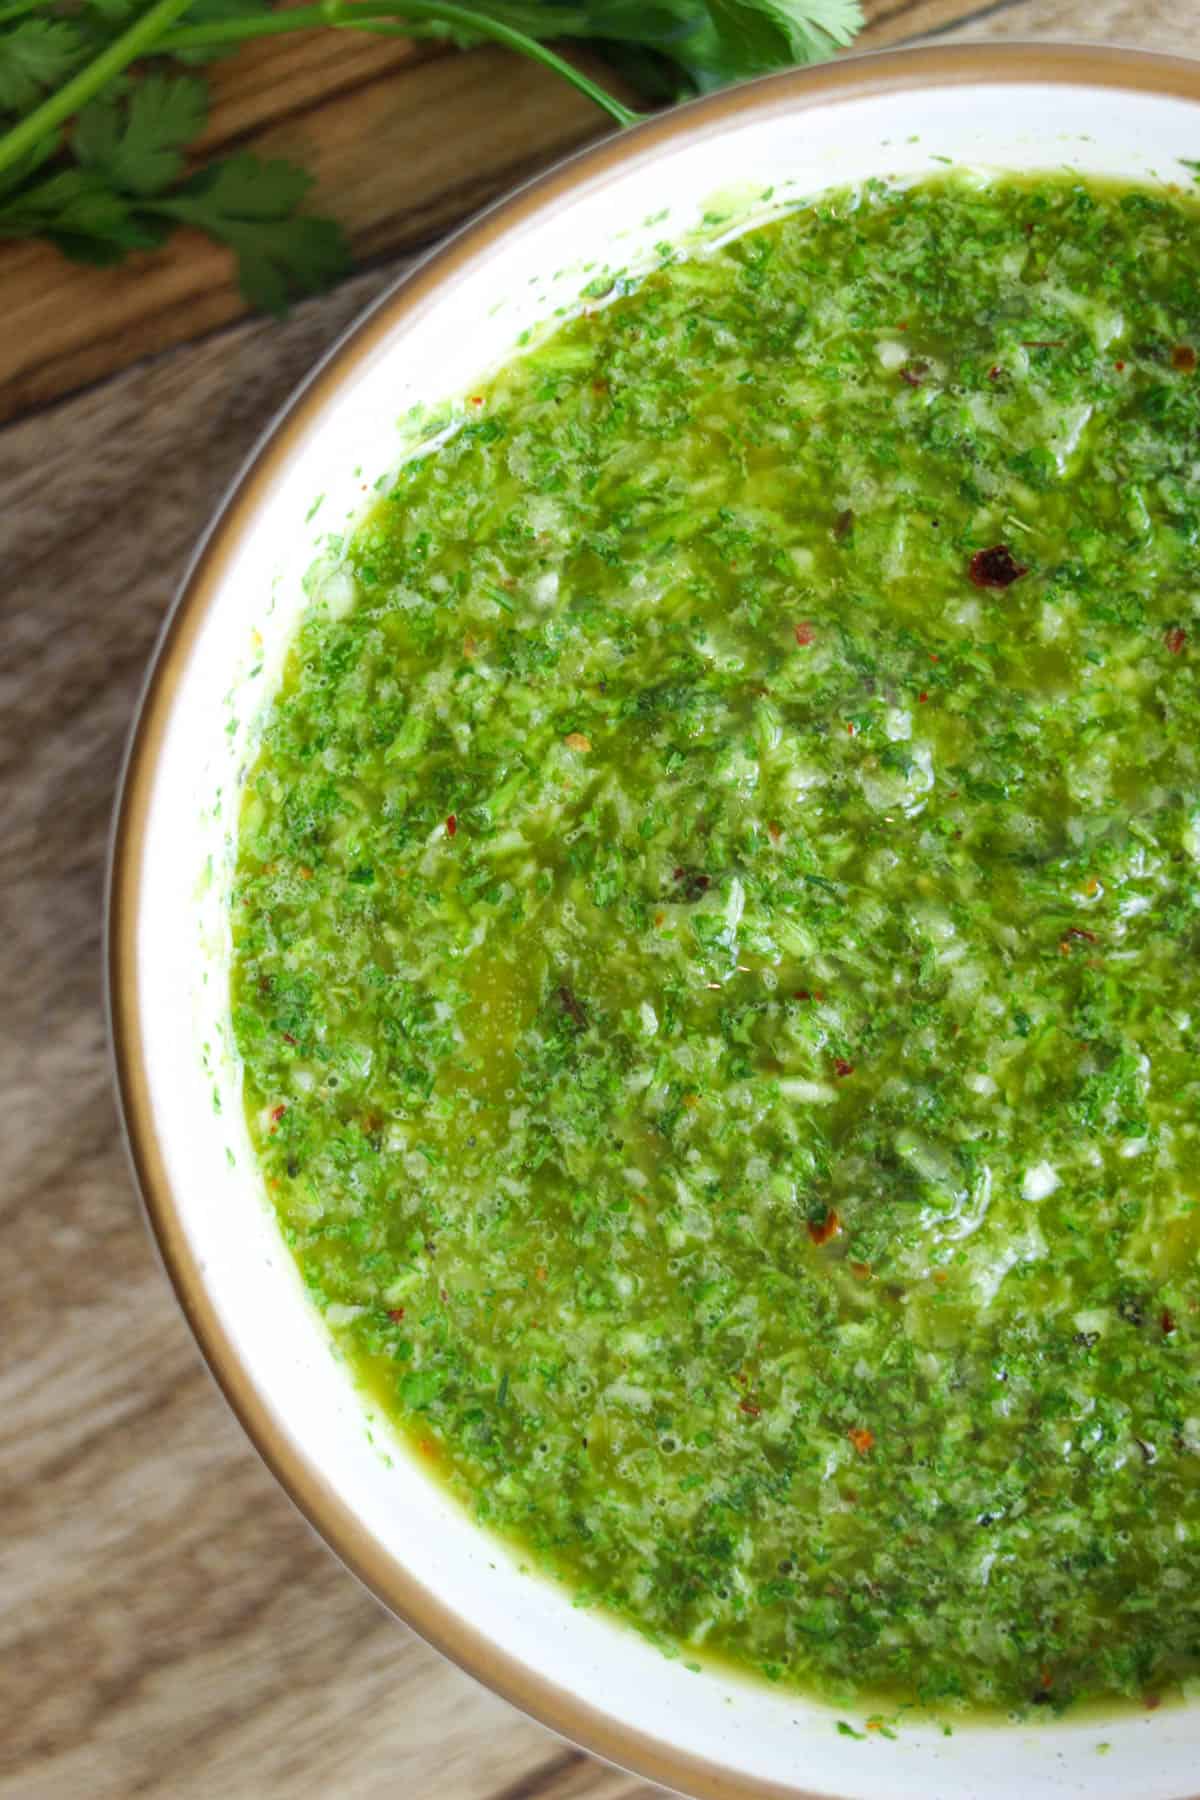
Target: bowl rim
(392, 1582)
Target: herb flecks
(751, 1152)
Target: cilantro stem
(396, 18)
(512, 39)
(58, 107)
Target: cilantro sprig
(102, 103)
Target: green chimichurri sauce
(718, 949)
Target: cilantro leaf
(138, 142)
(811, 29)
(20, 172)
(253, 207)
(752, 37)
(80, 212)
(669, 46)
(34, 56)
(115, 142)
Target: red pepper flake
(1175, 640)
(821, 1230)
(933, 657)
(849, 729)
(903, 325)
(801, 994)
(995, 372)
(1081, 931)
(922, 699)
(750, 1407)
(1183, 358)
(476, 399)
(396, 1314)
(914, 373)
(774, 831)
(289, 1039)
(841, 1067)
(695, 883)
(277, 1113)
(1119, 367)
(1167, 1321)
(862, 1438)
(995, 568)
(452, 825)
(804, 634)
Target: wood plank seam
(541, 1780)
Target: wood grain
(169, 1627)
(404, 141)
(402, 146)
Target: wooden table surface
(168, 1625)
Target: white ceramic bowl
(707, 1734)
